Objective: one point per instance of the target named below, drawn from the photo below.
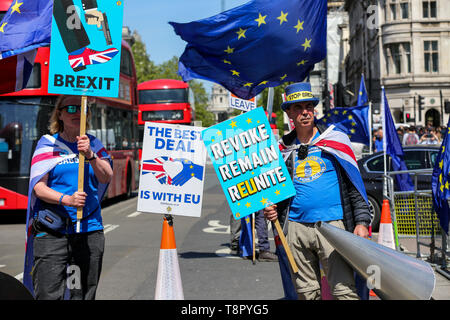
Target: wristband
(60, 199)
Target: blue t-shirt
(318, 196)
(64, 178)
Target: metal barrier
(413, 215)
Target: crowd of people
(411, 135)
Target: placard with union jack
(85, 50)
(172, 170)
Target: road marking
(109, 227)
(2, 265)
(134, 214)
(226, 253)
(216, 227)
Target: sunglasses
(72, 109)
(302, 152)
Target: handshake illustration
(173, 171)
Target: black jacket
(356, 209)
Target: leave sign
(172, 170)
(248, 163)
(241, 104)
(85, 47)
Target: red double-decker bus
(24, 118)
(167, 101)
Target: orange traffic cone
(168, 282)
(386, 232)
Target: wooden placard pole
(253, 237)
(81, 158)
(286, 246)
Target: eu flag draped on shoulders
(25, 27)
(353, 121)
(393, 147)
(362, 94)
(260, 44)
(440, 182)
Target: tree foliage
(146, 70)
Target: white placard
(172, 170)
(241, 104)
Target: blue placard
(85, 47)
(248, 163)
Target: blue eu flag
(260, 44)
(440, 182)
(362, 93)
(353, 121)
(25, 26)
(394, 148)
(246, 238)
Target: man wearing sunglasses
(328, 188)
(54, 249)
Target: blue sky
(150, 19)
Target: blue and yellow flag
(393, 146)
(353, 121)
(440, 182)
(362, 94)
(25, 26)
(260, 44)
(246, 238)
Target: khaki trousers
(310, 248)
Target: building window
(431, 56)
(407, 51)
(429, 9)
(393, 9)
(398, 58)
(404, 7)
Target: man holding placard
(328, 188)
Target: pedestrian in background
(53, 204)
(411, 137)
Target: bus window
(163, 96)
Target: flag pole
(370, 128)
(383, 125)
(253, 237)
(81, 159)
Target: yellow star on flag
(248, 84)
(441, 164)
(350, 117)
(282, 17)
(352, 130)
(226, 61)
(3, 26)
(233, 124)
(262, 82)
(283, 77)
(241, 33)
(301, 63)
(299, 26)
(261, 20)
(229, 50)
(307, 44)
(235, 73)
(16, 6)
(353, 123)
(264, 201)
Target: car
(372, 169)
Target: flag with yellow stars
(440, 182)
(260, 44)
(353, 121)
(25, 27)
(362, 94)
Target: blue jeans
(67, 266)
